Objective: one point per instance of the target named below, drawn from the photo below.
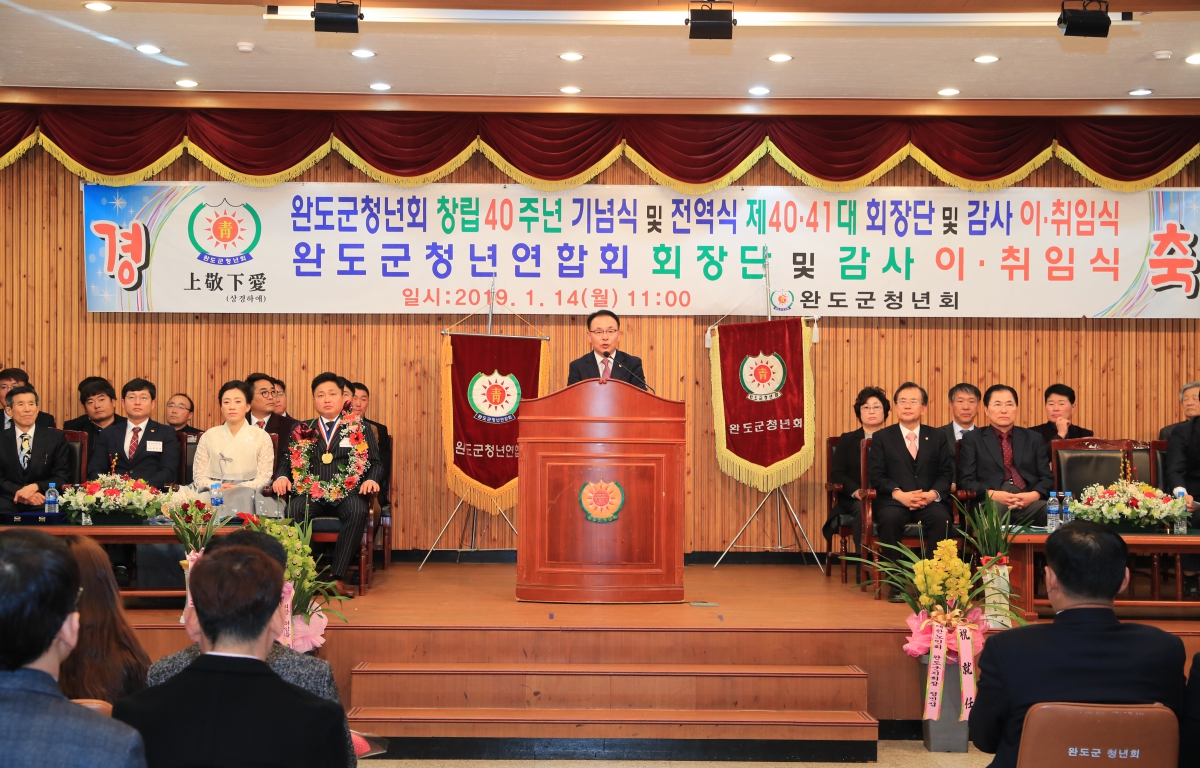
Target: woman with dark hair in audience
(180, 410)
(108, 663)
(871, 408)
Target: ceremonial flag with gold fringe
(762, 399)
(483, 381)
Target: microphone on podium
(606, 354)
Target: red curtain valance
(693, 154)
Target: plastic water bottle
(216, 500)
(51, 507)
(1052, 512)
(1181, 525)
(1067, 515)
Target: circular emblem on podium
(763, 376)
(493, 397)
(601, 502)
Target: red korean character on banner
(126, 251)
(1173, 262)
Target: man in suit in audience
(15, 377)
(31, 457)
(99, 401)
(308, 672)
(141, 447)
(964, 405)
(281, 398)
(1182, 470)
(1085, 655)
(360, 402)
(605, 361)
(263, 415)
(1007, 463)
(910, 466)
(236, 595)
(1060, 408)
(1189, 399)
(328, 456)
(1189, 726)
(39, 627)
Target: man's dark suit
(280, 724)
(282, 426)
(157, 468)
(982, 464)
(1085, 655)
(84, 424)
(1049, 431)
(353, 509)
(1189, 725)
(891, 467)
(1165, 432)
(43, 420)
(385, 459)
(626, 368)
(49, 462)
(952, 441)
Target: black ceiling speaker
(710, 20)
(336, 17)
(1089, 20)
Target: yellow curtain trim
(123, 180)
(1126, 186)
(982, 186)
(824, 185)
(685, 188)
(542, 185)
(784, 471)
(544, 369)
(248, 180)
(354, 159)
(27, 143)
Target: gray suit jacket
(308, 672)
(41, 728)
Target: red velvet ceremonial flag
(763, 401)
(484, 379)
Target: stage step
(610, 687)
(615, 723)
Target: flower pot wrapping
(951, 640)
(948, 733)
(308, 634)
(997, 593)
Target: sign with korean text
(451, 248)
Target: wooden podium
(601, 496)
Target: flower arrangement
(192, 520)
(111, 493)
(1126, 501)
(304, 439)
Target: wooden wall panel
(1127, 372)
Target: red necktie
(1010, 469)
(604, 374)
(133, 441)
(261, 423)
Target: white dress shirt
(959, 430)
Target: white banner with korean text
(642, 250)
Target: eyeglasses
(277, 393)
(178, 407)
(909, 402)
(605, 332)
(872, 408)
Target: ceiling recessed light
(779, 57)
(1193, 59)
(148, 49)
(570, 56)
(380, 87)
(569, 89)
(362, 53)
(948, 92)
(97, 6)
(759, 90)
(1141, 92)
(986, 59)
(186, 83)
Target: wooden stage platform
(758, 654)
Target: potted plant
(990, 533)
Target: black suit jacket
(84, 424)
(626, 368)
(49, 461)
(385, 459)
(282, 426)
(982, 462)
(1189, 726)
(1049, 431)
(1183, 458)
(158, 468)
(951, 441)
(891, 467)
(43, 420)
(1086, 656)
(279, 724)
(340, 453)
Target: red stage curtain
(259, 142)
(838, 148)
(16, 125)
(551, 147)
(694, 150)
(113, 140)
(406, 143)
(1129, 148)
(982, 149)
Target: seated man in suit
(1189, 401)
(15, 377)
(1060, 407)
(359, 404)
(39, 627)
(141, 447)
(31, 457)
(964, 405)
(1182, 471)
(1007, 463)
(329, 456)
(99, 401)
(180, 409)
(1085, 655)
(263, 416)
(910, 467)
(871, 408)
(605, 361)
(236, 595)
(281, 399)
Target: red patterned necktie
(133, 441)
(1010, 469)
(261, 423)
(604, 374)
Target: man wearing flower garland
(334, 469)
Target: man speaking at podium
(605, 361)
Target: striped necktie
(25, 446)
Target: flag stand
(777, 493)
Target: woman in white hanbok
(236, 455)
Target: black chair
(1143, 463)
(1158, 465)
(845, 520)
(384, 523)
(187, 456)
(1087, 461)
(77, 442)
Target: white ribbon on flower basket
(289, 590)
(961, 631)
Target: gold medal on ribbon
(326, 458)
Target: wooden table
(122, 534)
(1026, 545)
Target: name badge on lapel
(154, 446)
(345, 443)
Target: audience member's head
(11, 377)
(1000, 402)
(179, 410)
(139, 395)
(234, 398)
(280, 396)
(871, 407)
(99, 399)
(361, 398)
(21, 405)
(964, 403)
(911, 401)
(236, 592)
(109, 661)
(262, 393)
(347, 387)
(1189, 396)
(1060, 402)
(1086, 564)
(39, 595)
(243, 537)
